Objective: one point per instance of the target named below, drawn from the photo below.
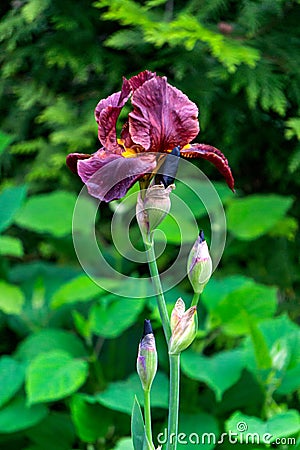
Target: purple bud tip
(201, 237)
(147, 328)
(176, 151)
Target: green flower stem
(195, 299)
(147, 413)
(158, 290)
(173, 401)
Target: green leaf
(17, 415)
(124, 443)
(11, 378)
(138, 431)
(110, 316)
(11, 246)
(11, 200)
(48, 213)
(119, 395)
(11, 298)
(251, 217)
(262, 353)
(207, 369)
(251, 302)
(91, 421)
(54, 375)
(56, 424)
(217, 289)
(80, 289)
(47, 340)
(282, 338)
(199, 429)
(278, 426)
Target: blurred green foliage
(67, 370)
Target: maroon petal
(72, 159)
(213, 155)
(137, 81)
(106, 114)
(108, 176)
(163, 117)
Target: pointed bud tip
(147, 328)
(201, 236)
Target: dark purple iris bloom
(162, 118)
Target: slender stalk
(195, 299)
(158, 290)
(173, 401)
(147, 413)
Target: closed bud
(152, 208)
(147, 357)
(199, 264)
(184, 326)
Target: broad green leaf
(45, 341)
(199, 430)
(11, 298)
(56, 424)
(11, 200)
(124, 443)
(219, 371)
(262, 353)
(80, 289)
(54, 375)
(91, 421)
(11, 246)
(17, 415)
(278, 426)
(250, 302)
(11, 378)
(217, 289)
(282, 337)
(119, 395)
(251, 217)
(138, 431)
(111, 316)
(48, 213)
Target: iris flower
(161, 119)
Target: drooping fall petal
(106, 114)
(163, 117)
(108, 176)
(213, 155)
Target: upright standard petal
(138, 80)
(106, 114)
(108, 176)
(163, 117)
(213, 155)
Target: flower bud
(147, 357)
(184, 325)
(199, 264)
(152, 209)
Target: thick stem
(147, 413)
(158, 291)
(195, 299)
(173, 401)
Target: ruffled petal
(139, 79)
(213, 155)
(106, 114)
(72, 159)
(108, 176)
(163, 117)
